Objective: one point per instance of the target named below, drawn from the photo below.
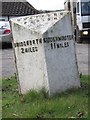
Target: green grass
(70, 104)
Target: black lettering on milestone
(44, 40)
(51, 45)
(54, 45)
(67, 43)
(57, 45)
(53, 39)
(37, 41)
(26, 50)
(33, 41)
(56, 38)
(27, 42)
(67, 37)
(22, 50)
(40, 40)
(24, 43)
(33, 49)
(21, 43)
(59, 38)
(47, 40)
(60, 45)
(30, 50)
(50, 39)
(30, 42)
(36, 49)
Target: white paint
(54, 69)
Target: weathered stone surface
(45, 52)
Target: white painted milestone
(45, 53)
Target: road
(8, 66)
(82, 58)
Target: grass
(70, 104)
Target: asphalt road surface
(7, 66)
(82, 53)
